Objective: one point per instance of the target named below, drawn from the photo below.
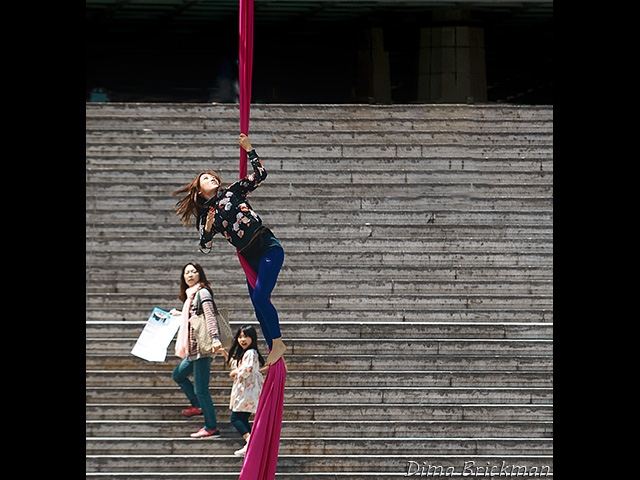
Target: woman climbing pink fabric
(261, 456)
(225, 210)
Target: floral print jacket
(234, 218)
(247, 384)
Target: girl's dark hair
(236, 351)
(203, 280)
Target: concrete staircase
(415, 298)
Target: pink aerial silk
(262, 453)
(261, 458)
(245, 68)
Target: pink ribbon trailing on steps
(261, 458)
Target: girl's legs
(268, 270)
(240, 420)
(201, 374)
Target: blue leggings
(267, 269)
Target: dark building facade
(353, 51)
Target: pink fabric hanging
(245, 70)
(262, 453)
(261, 458)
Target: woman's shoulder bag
(201, 332)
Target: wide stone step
(466, 309)
(117, 255)
(387, 299)
(220, 130)
(325, 446)
(358, 378)
(436, 198)
(159, 273)
(443, 216)
(316, 463)
(167, 225)
(399, 330)
(374, 362)
(278, 476)
(400, 287)
(242, 314)
(382, 280)
(346, 346)
(341, 207)
(341, 394)
(423, 166)
(378, 280)
(381, 306)
(341, 193)
(410, 469)
(400, 149)
(434, 251)
(536, 237)
(365, 238)
(363, 134)
(312, 246)
(321, 429)
(441, 192)
(330, 412)
(204, 154)
(341, 475)
(370, 258)
(405, 314)
(118, 170)
(446, 113)
(437, 267)
(475, 192)
(361, 189)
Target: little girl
(245, 361)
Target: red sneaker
(203, 432)
(191, 411)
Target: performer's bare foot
(277, 350)
(265, 369)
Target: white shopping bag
(156, 336)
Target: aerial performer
(225, 210)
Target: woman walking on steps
(195, 292)
(225, 210)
